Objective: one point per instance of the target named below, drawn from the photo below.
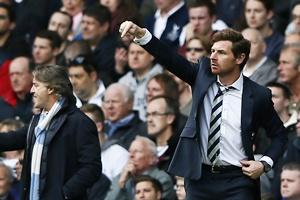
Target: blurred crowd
(140, 108)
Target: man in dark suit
(62, 153)
(215, 153)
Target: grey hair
(294, 47)
(149, 144)
(127, 93)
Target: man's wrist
(266, 166)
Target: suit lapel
(247, 115)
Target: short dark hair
(146, 178)
(239, 44)
(204, 3)
(171, 104)
(95, 110)
(55, 77)
(84, 61)
(10, 11)
(98, 12)
(285, 90)
(52, 36)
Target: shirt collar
(172, 11)
(238, 84)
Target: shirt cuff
(143, 40)
(267, 159)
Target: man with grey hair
(142, 161)
(289, 71)
(62, 153)
(6, 181)
(122, 124)
(259, 68)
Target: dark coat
(71, 159)
(257, 111)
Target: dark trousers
(222, 186)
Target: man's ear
(240, 59)
(50, 91)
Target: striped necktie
(214, 136)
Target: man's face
(144, 190)
(20, 76)
(60, 23)
(296, 17)
(287, 70)
(5, 185)
(158, 120)
(256, 14)
(41, 95)
(82, 81)
(43, 53)
(201, 20)
(5, 23)
(280, 102)
(223, 62)
(91, 28)
(290, 184)
(115, 105)
(140, 156)
(154, 89)
(257, 47)
(139, 58)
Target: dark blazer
(71, 158)
(257, 111)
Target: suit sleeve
(172, 61)
(274, 129)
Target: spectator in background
(164, 85)
(289, 72)
(294, 25)
(142, 161)
(167, 22)
(281, 97)
(142, 68)
(46, 46)
(147, 188)
(20, 73)
(12, 158)
(180, 191)
(84, 78)
(10, 47)
(121, 10)
(290, 181)
(259, 68)
(196, 47)
(201, 18)
(258, 15)
(161, 119)
(61, 22)
(75, 9)
(6, 181)
(122, 124)
(95, 26)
